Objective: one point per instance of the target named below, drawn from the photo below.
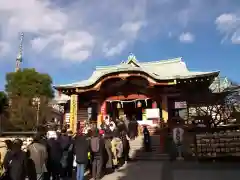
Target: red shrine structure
(132, 89)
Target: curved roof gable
(160, 70)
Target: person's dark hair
(108, 135)
(37, 138)
(116, 134)
(17, 144)
(64, 131)
(8, 143)
(95, 133)
(89, 133)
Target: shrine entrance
(130, 99)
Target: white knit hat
(51, 134)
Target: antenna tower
(20, 50)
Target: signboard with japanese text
(153, 113)
(73, 113)
(180, 105)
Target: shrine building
(132, 87)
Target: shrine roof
(160, 70)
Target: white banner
(180, 105)
(153, 113)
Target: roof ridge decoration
(174, 68)
(139, 64)
(132, 59)
(164, 61)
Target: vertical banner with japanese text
(73, 112)
(103, 112)
(103, 108)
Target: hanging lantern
(146, 102)
(139, 104)
(119, 105)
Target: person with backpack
(97, 148)
(67, 147)
(81, 148)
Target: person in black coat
(97, 154)
(70, 155)
(81, 148)
(126, 146)
(54, 159)
(66, 145)
(146, 139)
(16, 162)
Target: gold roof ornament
(132, 57)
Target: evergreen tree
(24, 87)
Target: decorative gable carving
(132, 60)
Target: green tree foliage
(3, 102)
(3, 109)
(22, 88)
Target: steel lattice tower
(19, 56)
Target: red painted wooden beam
(131, 96)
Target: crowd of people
(54, 155)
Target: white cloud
(4, 48)
(110, 50)
(186, 37)
(32, 16)
(229, 25)
(129, 30)
(132, 28)
(73, 45)
(77, 46)
(78, 30)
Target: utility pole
(19, 56)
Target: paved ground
(152, 170)
(137, 170)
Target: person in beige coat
(7, 147)
(116, 150)
(38, 153)
(4, 150)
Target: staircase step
(137, 150)
(157, 157)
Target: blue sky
(67, 39)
